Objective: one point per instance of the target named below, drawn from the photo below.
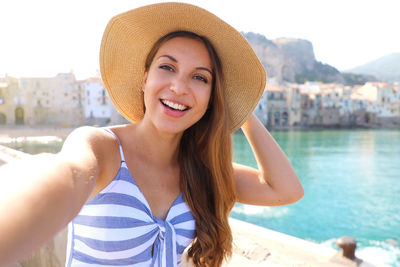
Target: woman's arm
(275, 182)
(40, 195)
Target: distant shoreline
(24, 131)
(62, 132)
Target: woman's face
(178, 84)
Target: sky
(41, 38)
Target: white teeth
(173, 105)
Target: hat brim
(129, 37)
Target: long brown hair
(206, 173)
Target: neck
(158, 147)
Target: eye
(201, 78)
(166, 67)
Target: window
(103, 97)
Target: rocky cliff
(293, 60)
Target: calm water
(352, 187)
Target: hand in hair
(275, 182)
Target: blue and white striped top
(117, 228)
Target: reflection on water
(36, 147)
(352, 187)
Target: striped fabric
(117, 228)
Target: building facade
(11, 102)
(97, 103)
(54, 101)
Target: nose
(179, 86)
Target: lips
(173, 108)
(174, 105)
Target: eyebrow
(198, 68)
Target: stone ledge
(7, 154)
(278, 249)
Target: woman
(139, 194)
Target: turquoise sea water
(352, 187)
(351, 180)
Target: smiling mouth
(173, 105)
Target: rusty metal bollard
(348, 245)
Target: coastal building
(329, 110)
(69, 100)
(310, 87)
(347, 118)
(261, 110)
(38, 95)
(3, 95)
(293, 104)
(278, 115)
(309, 108)
(97, 103)
(11, 110)
(380, 103)
(331, 95)
(52, 101)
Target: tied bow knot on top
(164, 247)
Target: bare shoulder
(88, 141)
(86, 134)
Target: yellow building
(379, 96)
(11, 102)
(53, 101)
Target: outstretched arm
(275, 182)
(40, 195)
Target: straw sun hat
(129, 37)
